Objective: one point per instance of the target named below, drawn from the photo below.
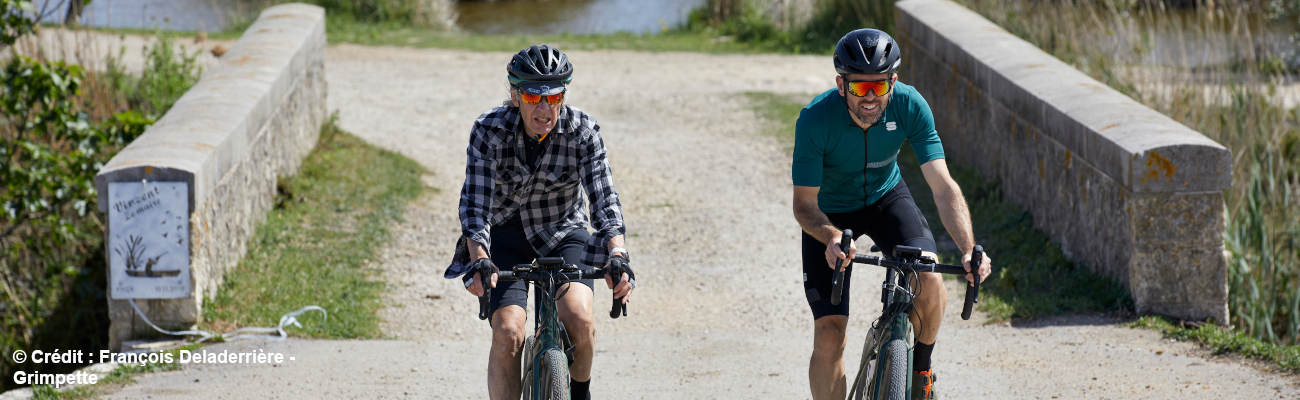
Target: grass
(781, 111)
(1031, 277)
(799, 26)
(1221, 340)
(315, 246)
(347, 29)
(343, 29)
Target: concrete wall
(247, 122)
(1123, 189)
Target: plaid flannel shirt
(498, 185)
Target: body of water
(172, 15)
(573, 16)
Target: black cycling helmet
(540, 69)
(867, 51)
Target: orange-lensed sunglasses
(530, 98)
(860, 88)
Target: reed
(1220, 69)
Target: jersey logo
(889, 126)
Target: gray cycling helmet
(540, 69)
(867, 51)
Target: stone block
(247, 122)
(1124, 190)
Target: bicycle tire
(894, 370)
(530, 350)
(866, 369)
(555, 375)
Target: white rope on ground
(287, 319)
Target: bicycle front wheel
(893, 371)
(555, 375)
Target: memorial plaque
(148, 240)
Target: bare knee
(575, 313)
(508, 329)
(932, 289)
(581, 329)
(828, 337)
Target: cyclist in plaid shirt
(526, 168)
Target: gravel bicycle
(549, 351)
(885, 371)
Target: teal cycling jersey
(829, 148)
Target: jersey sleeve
(809, 148)
(922, 135)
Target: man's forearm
(476, 249)
(815, 223)
(956, 218)
(615, 242)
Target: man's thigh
(896, 220)
(575, 297)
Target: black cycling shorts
(891, 221)
(510, 247)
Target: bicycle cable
(920, 322)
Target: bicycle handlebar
(560, 272)
(904, 265)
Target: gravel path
(707, 198)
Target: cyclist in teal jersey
(846, 176)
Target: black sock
(580, 390)
(921, 356)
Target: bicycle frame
(896, 300)
(547, 274)
(548, 332)
(893, 324)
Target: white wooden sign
(148, 240)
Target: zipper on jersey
(866, 165)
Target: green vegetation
(60, 123)
(437, 14)
(765, 24)
(782, 111)
(1031, 277)
(1232, 101)
(315, 246)
(167, 75)
(1222, 340)
(735, 26)
(348, 30)
(313, 249)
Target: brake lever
(973, 291)
(837, 283)
(484, 275)
(617, 266)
